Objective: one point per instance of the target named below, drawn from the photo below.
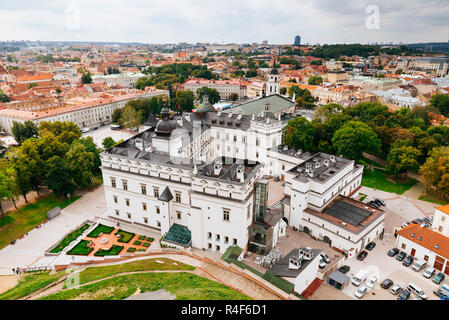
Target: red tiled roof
(429, 239)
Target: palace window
(226, 214)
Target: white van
(359, 277)
(417, 290)
(419, 265)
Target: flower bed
(70, 238)
(112, 251)
(131, 249)
(137, 242)
(99, 230)
(141, 238)
(81, 249)
(149, 239)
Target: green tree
(130, 117)
(283, 91)
(58, 176)
(90, 146)
(234, 96)
(65, 131)
(108, 143)
(435, 171)
(185, 99)
(81, 164)
(4, 97)
(402, 158)
(299, 134)
(354, 138)
(86, 78)
(441, 102)
(212, 93)
(23, 131)
(315, 80)
(4, 190)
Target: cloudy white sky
(238, 21)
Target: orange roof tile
(444, 208)
(429, 239)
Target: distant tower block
(297, 41)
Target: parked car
(429, 272)
(94, 128)
(358, 278)
(438, 278)
(419, 265)
(371, 281)
(322, 264)
(84, 130)
(401, 255)
(386, 283)
(440, 292)
(380, 202)
(325, 257)
(370, 246)
(395, 289)
(408, 261)
(373, 204)
(393, 252)
(404, 295)
(360, 292)
(362, 255)
(417, 291)
(344, 269)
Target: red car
(362, 255)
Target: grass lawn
(380, 180)
(70, 238)
(372, 162)
(95, 273)
(18, 222)
(112, 251)
(29, 284)
(362, 196)
(100, 229)
(432, 196)
(81, 249)
(185, 286)
(125, 237)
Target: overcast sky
(237, 21)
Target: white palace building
(200, 179)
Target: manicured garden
(114, 250)
(380, 180)
(99, 230)
(70, 238)
(18, 222)
(81, 249)
(124, 236)
(185, 286)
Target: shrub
(125, 237)
(100, 229)
(149, 239)
(137, 242)
(81, 249)
(146, 244)
(131, 249)
(112, 251)
(141, 238)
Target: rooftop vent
(230, 115)
(285, 148)
(217, 168)
(332, 158)
(413, 235)
(437, 246)
(326, 163)
(420, 238)
(344, 223)
(218, 113)
(239, 117)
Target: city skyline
(321, 21)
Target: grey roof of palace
(276, 102)
(229, 169)
(322, 167)
(281, 269)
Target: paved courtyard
(105, 131)
(29, 250)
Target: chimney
(240, 173)
(217, 168)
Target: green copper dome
(206, 106)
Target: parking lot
(381, 265)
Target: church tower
(273, 84)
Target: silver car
(396, 288)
